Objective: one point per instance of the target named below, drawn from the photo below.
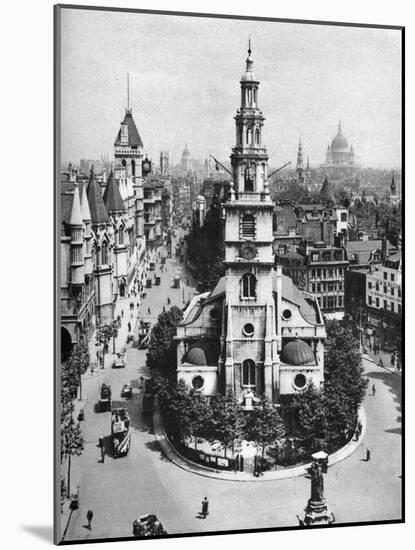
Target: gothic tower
(249, 261)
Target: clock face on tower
(248, 251)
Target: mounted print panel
(229, 197)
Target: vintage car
(119, 362)
(127, 391)
(148, 526)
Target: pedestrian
(100, 441)
(236, 464)
(205, 507)
(122, 313)
(168, 301)
(367, 455)
(373, 389)
(393, 359)
(129, 326)
(149, 310)
(89, 516)
(138, 305)
(380, 363)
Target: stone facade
(235, 336)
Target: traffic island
(179, 460)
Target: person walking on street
(129, 326)
(380, 363)
(205, 507)
(122, 313)
(149, 310)
(373, 389)
(367, 455)
(89, 516)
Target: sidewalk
(174, 456)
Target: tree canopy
(161, 354)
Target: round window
(287, 314)
(300, 381)
(198, 382)
(248, 329)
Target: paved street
(119, 490)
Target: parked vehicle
(127, 391)
(104, 397)
(148, 526)
(120, 432)
(119, 361)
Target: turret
(77, 241)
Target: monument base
(317, 513)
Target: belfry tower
(249, 309)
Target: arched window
(249, 136)
(254, 95)
(133, 167)
(248, 286)
(248, 373)
(248, 226)
(241, 134)
(121, 235)
(257, 136)
(104, 253)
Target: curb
(185, 464)
(370, 360)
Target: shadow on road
(394, 384)
(155, 447)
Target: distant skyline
(184, 85)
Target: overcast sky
(184, 85)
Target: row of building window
(332, 273)
(377, 287)
(376, 302)
(330, 302)
(385, 276)
(327, 256)
(327, 287)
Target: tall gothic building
(255, 332)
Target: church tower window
(121, 235)
(104, 253)
(248, 225)
(248, 286)
(257, 136)
(248, 373)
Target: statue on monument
(317, 482)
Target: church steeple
(249, 157)
(300, 162)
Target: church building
(255, 333)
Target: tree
(77, 365)
(311, 414)
(332, 412)
(161, 355)
(264, 426)
(226, 421)
(344, 373)
(72, 444)
(106, 332)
